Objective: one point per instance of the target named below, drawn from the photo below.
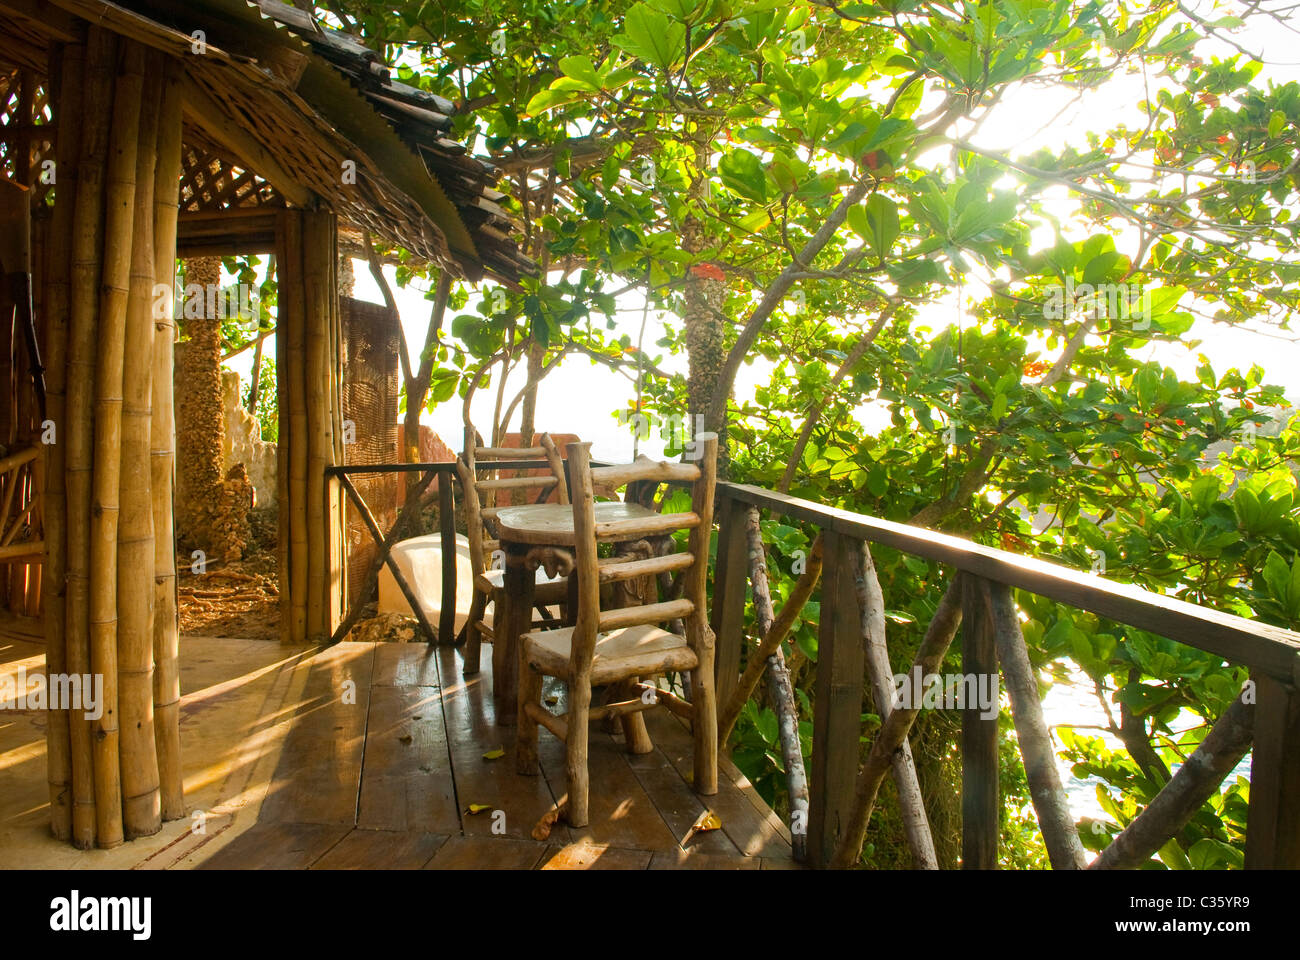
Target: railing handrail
(1260, 646)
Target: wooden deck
(388, 781)
(372, 756)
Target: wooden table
(532, 536)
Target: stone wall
(243, 442)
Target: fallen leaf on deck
(543, 829)
(405, 739)
(705, 822)
(552, 701)
(475, 808)
(496, 754)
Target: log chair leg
(530, 691)
(575, 753)
(704, 724)
(635, 734)
(473, 637)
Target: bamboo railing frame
(979, 602)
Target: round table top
(551, 524)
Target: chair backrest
(481, 487)
(592, 571)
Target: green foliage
(1038, 422)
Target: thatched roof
(303, 113)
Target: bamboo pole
(162, 460)
(119, 206)
(283, 344)
(317, 259)
(295, 308)
(141, 804)
(871, 605)
(67, 100)
(78, 428)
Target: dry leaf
(496, 754)
(705, 822)
(474, 808)
(543, 829)
(405, 739)
(552, 701)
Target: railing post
(1273, 823)
(447, 543)
(979, 736)
(837, 703)
(730, 581)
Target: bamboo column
(317, 278)
(67, 103)
(309, 369)
(162, 441)
(119, 197)
(78, 430)
(293, 307)
(141, 805)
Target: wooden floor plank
(472, 731)
(319, 774)
(753, 833)
(620, 812)
(690, 860)
(593, 856)
(382, 850)
(406, 778)
(487, 853)
(277, 846)
(678, 804)
(406, 664)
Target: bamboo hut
(138, 131)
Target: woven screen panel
(370, 389)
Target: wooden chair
(480, 515)
(622, 647)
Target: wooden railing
(979, 597)
(991, 635)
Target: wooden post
(447, 540)
(78, 429)
(162, 440)
(893, 732)
(141, 809)
(979, 735)
(729, 586)
(1273, 823)
(67, 103)
(837, 700)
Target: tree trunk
(211, 514)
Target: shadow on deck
(386, 757)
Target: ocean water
(1074, 703)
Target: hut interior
(136, 133)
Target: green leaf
(743, 173)
(650, 36)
